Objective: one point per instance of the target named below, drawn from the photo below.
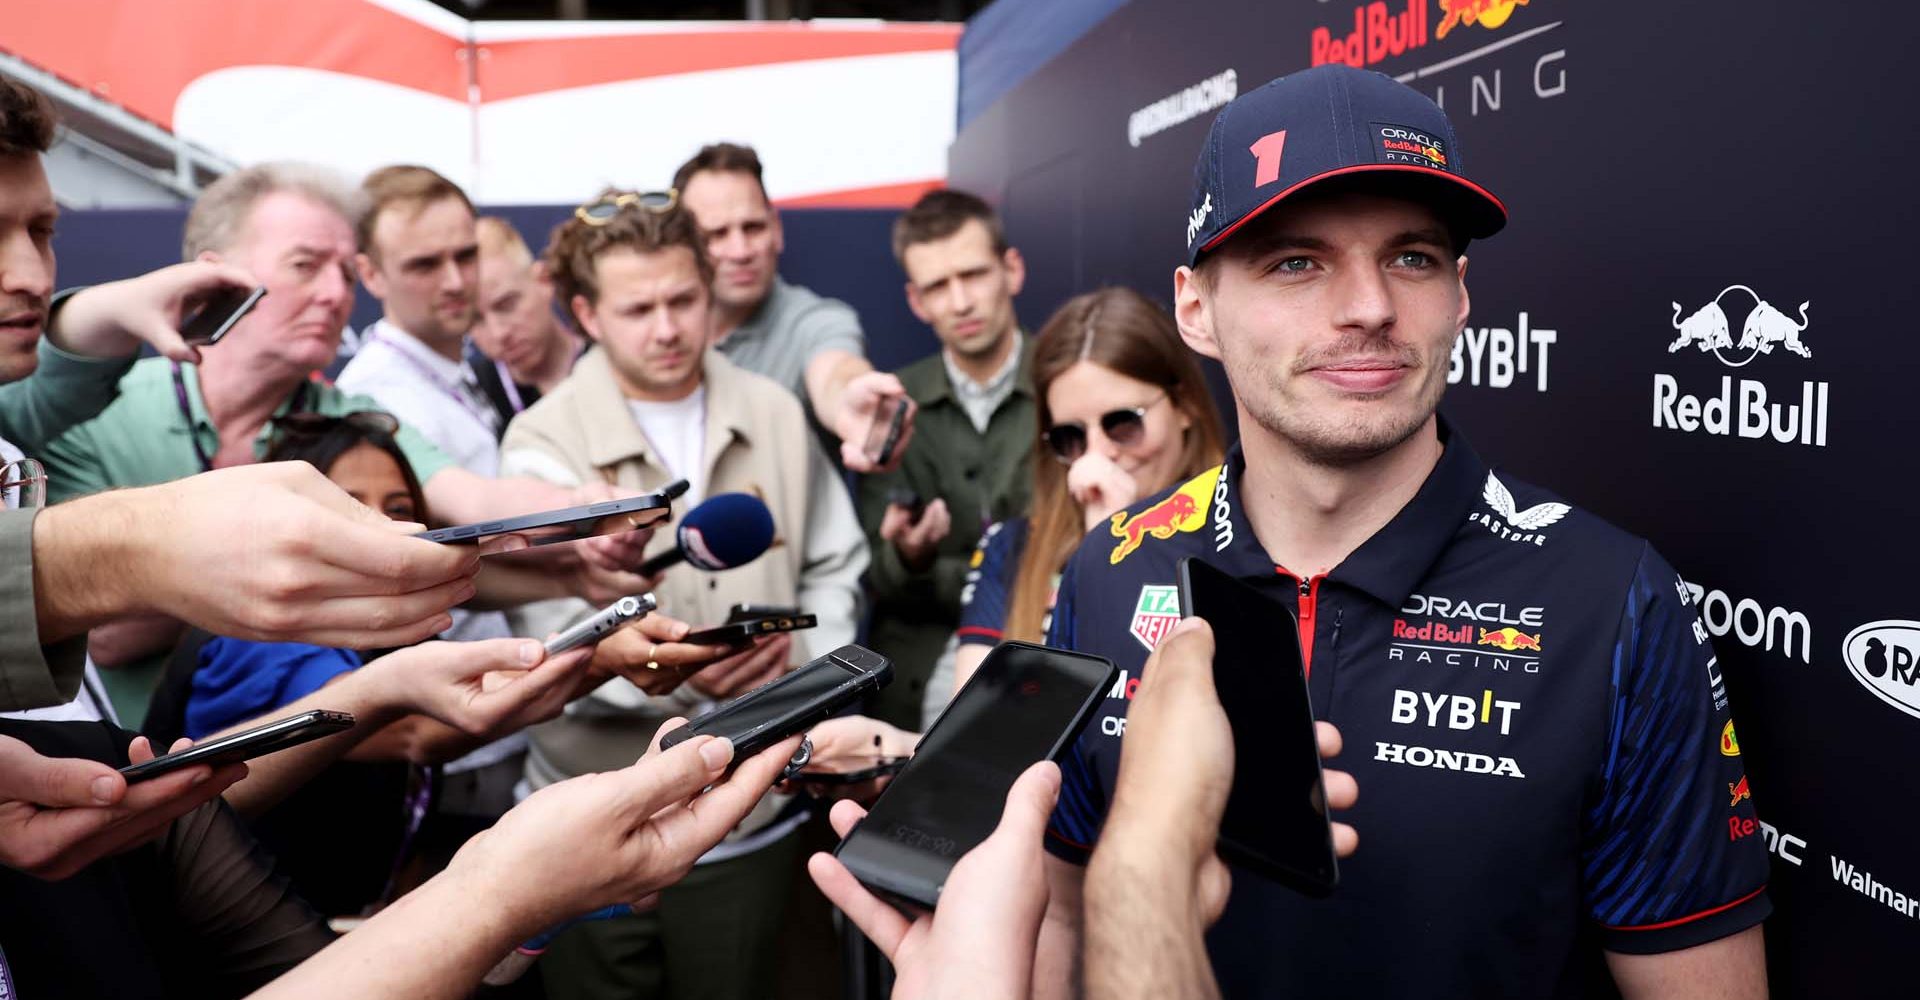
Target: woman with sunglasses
(1124, 414)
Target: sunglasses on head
(1124, 427)
(365, 421)
(606, 209)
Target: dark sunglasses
(605, 210)
(1124, 427)
(314, 424)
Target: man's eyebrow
(1265, 243)
(1437, 237)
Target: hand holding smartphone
(789, 705)
(1276, 822)
(883, 434)
(215, 319)
(1025, 704)
(256, 742)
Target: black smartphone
(256, 742)
(1025, 704)
(865, 769)
(1276, 820)
(788, 706)
(906, 496)
(569, 524)
(747, 610)
(739, 633)
(883, 435)
(222, 310)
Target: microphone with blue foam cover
(724, 531)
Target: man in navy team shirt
(1554, 791)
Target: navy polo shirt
(1546, 761)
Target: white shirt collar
(446, 369)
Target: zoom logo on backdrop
(1884, 656)
(1755, 625)
(1739, 406)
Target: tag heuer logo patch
(1156, 614)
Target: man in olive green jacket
(968, 464)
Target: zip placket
(1309, 597)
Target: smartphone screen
(1023, 705)
(1276, 822)
(884, 433)
(222, 310)
(772, 712)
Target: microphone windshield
(726, 530)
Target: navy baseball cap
(1331, 121)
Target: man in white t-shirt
(419, 255)
(652, 402)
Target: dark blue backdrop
(1745, 155)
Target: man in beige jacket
(649, 404)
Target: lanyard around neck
(450, 390)
(297, 405)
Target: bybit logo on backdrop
(1740, 407)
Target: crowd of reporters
(227, 539)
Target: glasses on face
(1124, 427)
(606, 209)
(23, 484)
(365, 421)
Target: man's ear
(1460, 322)
(915, 303)
(1016, 266)
(779, 234)
(1193, 313)
(363, 265)
(541, 274)
(583, 314)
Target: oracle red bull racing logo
(1488, 14)
(1185, 510)
(1509, 639)
(1742, 407)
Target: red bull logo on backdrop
(1185, 510)
(1488, 14)
(1379, 33)
(1742, 407)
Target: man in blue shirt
(1553, 786)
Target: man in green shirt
(968, 463)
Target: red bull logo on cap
(1510, 639)
(1488, 14)
(1185, 510)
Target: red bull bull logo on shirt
(1509, 639)
(1185, 510)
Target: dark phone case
(894, 423)
(742, 632)
(216, 318)
(912, 888)
(1233, 851)
(851, 777)
(470, 534)
(866, 670)
(256, 742)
